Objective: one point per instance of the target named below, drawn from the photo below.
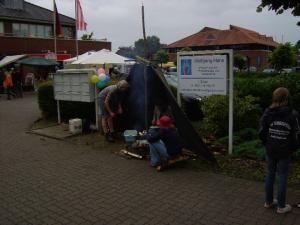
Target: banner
(80, 23)
(58, 28)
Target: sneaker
(271, 205)
(159, 168)
(285, 209)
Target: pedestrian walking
(8, 85)
(278, 132)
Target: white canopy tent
(80, 57)
(10, 59)
(105, 58)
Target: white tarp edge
(10, 59)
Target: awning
(10, 59)
(38, 62)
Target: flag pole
(54, 27)
(76, 21)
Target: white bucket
(75, 126)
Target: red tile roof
(234, 36)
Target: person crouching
(164, 142)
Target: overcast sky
(120, 20)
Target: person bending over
(110, 99)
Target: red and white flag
(80, 23)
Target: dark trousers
(279, 167)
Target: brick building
(26, 28)
(254, 46)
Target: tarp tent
(80, 57)
(103, 56)
(147, 86)
(10, 59)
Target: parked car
(286, 70)
(252, 69)
(269, 71)
(172, 71)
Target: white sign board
(74, 85)
(202, 75)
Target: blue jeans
(157, 151)
(281, 167)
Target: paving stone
(48, 181)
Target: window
(40, 31)
(48, 32)
(1, 28)
(68, 32)
(16, 29)
(24, 30)
(32, 30)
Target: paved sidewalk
(46, 181)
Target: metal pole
(144, 33)
(231, 82)
(58, 112)
(76, 35)
(146, 97)
(96, 108)
(178, 81)
(54, 27)
(145, 69)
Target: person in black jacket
(164, 142)
(278, 132)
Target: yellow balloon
(94, 79)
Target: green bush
(68, 109)
(244, 135)
(262, 86)
(46, 101)
(250, 149)
(215, 111)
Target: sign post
(206, 73)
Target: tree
(297, 47)
(280, 6)
(282, 57)
(153, 45)
(87, 37)
(162, 56)
(239, 61)
(126, 52)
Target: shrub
(250, 149)
(215, 111)
(244, 135)
(46, 101)
(47, 105)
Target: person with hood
(164, 142)
(110, 99)
(278, 132)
